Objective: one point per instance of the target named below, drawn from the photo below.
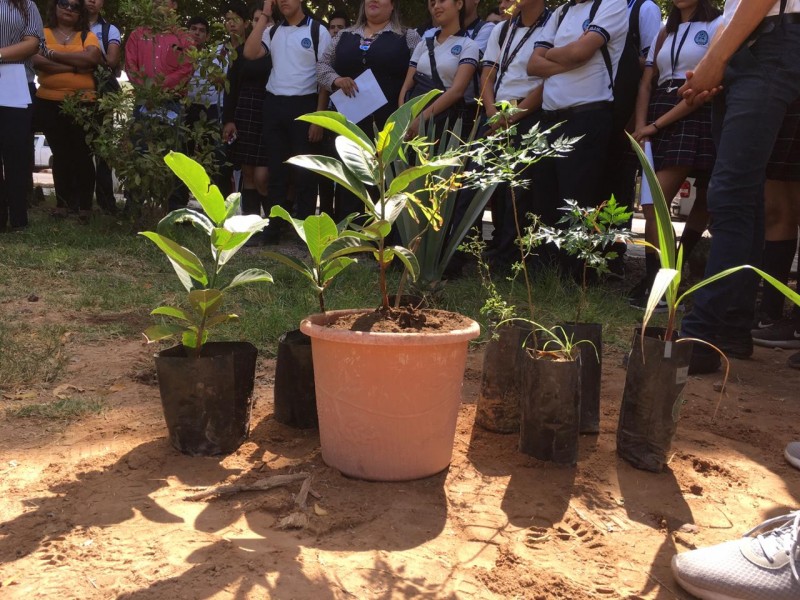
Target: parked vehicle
(683, 201)
(42, 155)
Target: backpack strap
(562, 14)
(315, 25)
(104, 34)
(479, 23)
(432, 58)
(504, 31)
(633, 24)
(604, 48)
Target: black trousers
(285, 137)
(73, 165)
(15, 165)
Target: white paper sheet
(14, 92)
(647, 194)
(367, 100)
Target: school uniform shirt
(454, 52)
(57, 86)
(294, 64)
(511, 58)
(589, 82)
(686, 48)
(792, 6)
(480, 37)
(201, 91)
(649, 24)
(114, 36)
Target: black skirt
(784, 164)
(685, 143)
(249, 117)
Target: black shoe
(735, 343)
(703, 360)
(641, 289)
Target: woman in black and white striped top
(21, 33)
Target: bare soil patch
(98, 507)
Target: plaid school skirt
(685, 143)
(784, 164)
(249, 116)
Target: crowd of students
(594, 68)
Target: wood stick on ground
(261, 485)
(302, 496)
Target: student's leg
(581, 171)
(780, 245)
(15, 123)
(276, 136)
(306, 182)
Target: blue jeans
(760, 82)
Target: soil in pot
(405, 319)
(652, 398)
(550, 407)
(295, 397)
(499, 399)
(207, 401)
(591, 370)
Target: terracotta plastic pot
(387, 402)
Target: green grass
(65, 409)
(101, 280)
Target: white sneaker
(792, 454)
(764, 567)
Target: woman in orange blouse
(65, 68)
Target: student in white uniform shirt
(578, 91)
(754, 57)
(295, 43)
(505, 78)
(455, 59)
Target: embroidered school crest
(456, 50)
(586, 24)
(701, 39)
(306, 43)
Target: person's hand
(503, 122)
(642, 134)
(266, 11)
(347, 85)
(229, 132)
(704, 82)
(314, 133)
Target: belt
(573, 110)
(770, 23)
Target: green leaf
(183, 260)
(185, 215)
(232, 203)
(350, 250)
(292, 262)
(223, 240)
(397, 124)
(662, 282)
(337, 123)
(781, 287)
(171, 311)
(402, 181)
(219, 319)
(196, 179)
(189, 338)
(335, 171)
(356, 160)
(205, 302)
(250, 276)
(320, 232)
(161, 332)
(281, 213)
(334, 267)
(408, 259)
(383, 138)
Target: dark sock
(777, 261)
(651, 266)
(689, 240)
(264, 203)
(250, 202)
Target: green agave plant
(227, 233)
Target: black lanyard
(675, 57)
(506, 61)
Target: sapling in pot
(205, 386)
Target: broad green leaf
(205, 302)
(408, 259)
(232, 203)
(397, 125)
(281, 213)
(782, 288)
(197, 219)
(189, 338)
(383, 138)
(196, 179)
(219, 319)
(291, 261)
(161, 332)
(392, 208)
(350, 250)
(320, 232)
(473, 213)
(335, 171)
(250, 276)
(337, 123)
(241, 228)
(380, 228)
(356, 160)
(245, 223)
(182, 259)
(171, 311)
(222, 239)
(346, 240)
(402, 181)
(334, 267)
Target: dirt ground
(98, 508)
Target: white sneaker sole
(784, 344)
(696, 591)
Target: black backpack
(626, 83)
